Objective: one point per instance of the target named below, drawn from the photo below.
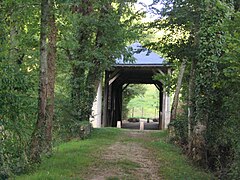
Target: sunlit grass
(72, 159)
(173, 163)
(145, 106)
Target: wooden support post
(105, 105)
(163, 109)
(160, 109)
(120, 102)
(124, 87)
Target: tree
(38, 134)
(177, 92)
(101, 34)
(206, 52)
(17, 81)
(51, 63)
(180, 43)
(230, 82)
(42, 135)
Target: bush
(178, 130)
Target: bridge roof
(141, 57)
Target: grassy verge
(72, 159)
(174, 164)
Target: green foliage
(209, 34)
(175, 165)
(212, 87)
(72, 159)
(230, 84)
(147, 102)
(99, 35)
(18, 85)
(167, 80)
(87, 45)
(180, 130)
(18, 110)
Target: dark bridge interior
(118, 79)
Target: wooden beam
(161, 72)
(114, 73)
(157, 86)
(125, 87)
(156, 71)
(160, 110)
(113, 79)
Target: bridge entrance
(141, 71)
(140, 105)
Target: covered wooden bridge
(107, 110)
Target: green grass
(149, 102)
(72, 159)
(174, 164)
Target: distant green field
(145, 106)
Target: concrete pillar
(141, 125)
(168, 105)
(119, 124)
(166, 110)
(96, 116)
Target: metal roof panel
(142, 56)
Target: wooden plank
(157, 86)
(112, 74)
(113, 79)
(125, 87)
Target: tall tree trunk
(38, 134)
(52, 40)
(176, 95)
(191, 101)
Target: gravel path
(127, 158)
